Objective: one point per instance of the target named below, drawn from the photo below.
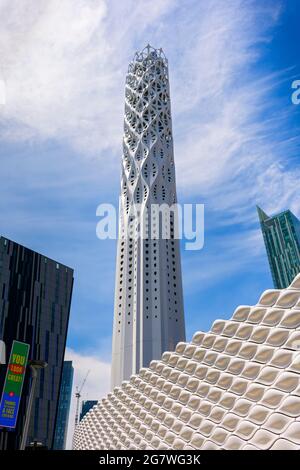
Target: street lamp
(35, 365)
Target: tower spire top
(149, 51)
(261, 214)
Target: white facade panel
(234, 387)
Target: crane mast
(78, 396)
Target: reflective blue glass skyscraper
(86, 406)
(64, 406)
(281, 234)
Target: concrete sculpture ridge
(234, 387)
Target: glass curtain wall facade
(61, 429)
(35, 299)
(281, 234)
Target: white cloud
(97, 384)
(64, 65)
(233, 143)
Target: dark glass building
(35, 299)
(281, 234)
(86, 406)
(64, 403)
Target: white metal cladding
(148, 313)
(234, 387)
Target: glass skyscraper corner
(281, 234)
(86, 406)
(61, 429)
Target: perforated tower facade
(148, 314)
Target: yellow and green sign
(12, 391)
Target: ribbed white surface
(235, 387)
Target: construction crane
(78, 396)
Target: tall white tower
(148, 313)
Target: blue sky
(236, 136)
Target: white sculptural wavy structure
(148, 312)
(234, 387)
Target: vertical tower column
(148, 313)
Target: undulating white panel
(234, 387)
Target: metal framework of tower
(148, 313)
